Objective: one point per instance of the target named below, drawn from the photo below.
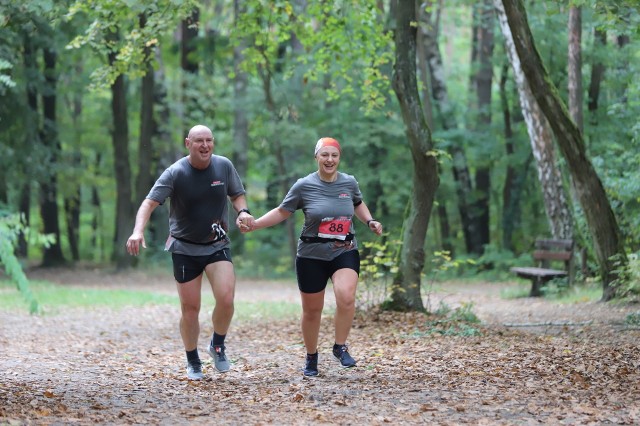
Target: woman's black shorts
(313, 274)
(186, 268)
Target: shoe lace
(196, 366)
(220, 352)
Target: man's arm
(245, 220)
(142, 217)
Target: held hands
(245, 222)
(134, 242)
(375, 226)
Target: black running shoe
(341, 352)
(311, 365)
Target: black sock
(218, 339)
(192, 356)
(312, 355)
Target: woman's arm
(271, 218)
(362, 212)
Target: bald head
(199, 130)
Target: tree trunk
(406, 292)
(280, 164)
(597, 75)
(97, 237)
(120, 139)
(426, 25)
(623, 67)
(52, 255)
(73, 194)
(165, 152)
(483, 84)
(446, 113)
(602, 223)
(240, 121)
(190, 68)
(575, 66)
(32, 137)
(540, 135)
(510, 200)
(145, 177)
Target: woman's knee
(347, 301)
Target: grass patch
(518, 291)
(251, 311)
(52, 297)
(557, 292)
(577, 293)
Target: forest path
(126, 366)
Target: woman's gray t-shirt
(328, 209)
(198, 209)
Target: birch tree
(553, 194)
(602, 222)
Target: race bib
(336, 228)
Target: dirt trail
(126, 367)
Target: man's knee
(190, 309)
(224, 297)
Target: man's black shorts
(313, 274)
(186, 268)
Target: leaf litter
(126, 366)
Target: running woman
(327, 248)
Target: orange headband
(322, 142)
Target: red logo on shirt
(217, 183)
(343, 196)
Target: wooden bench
(546, 252)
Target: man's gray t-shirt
(199, 204)
(328, 209)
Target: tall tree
(240, 120)
(602, 223)
(120, 139)
(406, 292)
(483, 81)
(597, 75)
(575, 65)
(52, 255)
(429, 28)
(540, 135)
(429, 31)
(148, 123)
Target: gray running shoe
(194, 371)
(219, 358)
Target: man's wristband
(244, 211)
(371, 220)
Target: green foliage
(5, 80)
(11, 227)
(345, 41)
(377, 268)
(107, 19)
(460, 321)
(628, 283)
(633, 319)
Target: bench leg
(536, 285)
